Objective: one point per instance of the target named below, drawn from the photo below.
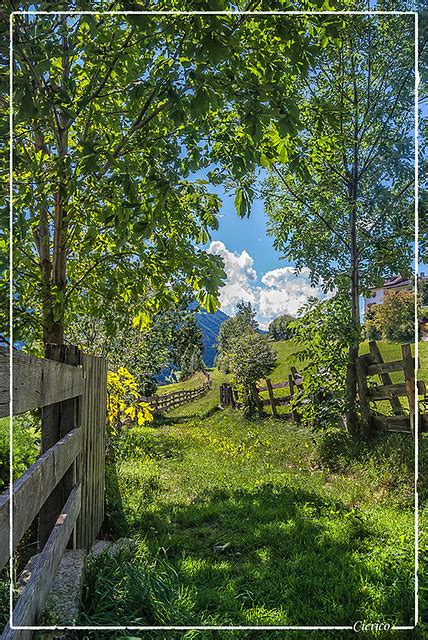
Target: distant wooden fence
(372, 364)
(65, 486)
(229, 395)
(162, 403)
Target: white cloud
(285, 291)
(240, 277)
(281, 290)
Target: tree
(186, 339)
(394, 319)
(113, 113)
(322, 335)
(348, 215)
(232, 329)
(191, 362)
(251, 358)
(143, 352)
(279, 329)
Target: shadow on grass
(337, 448)
(197, 415)
(271, 556)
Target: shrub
(251, 358)
(26, 447)
(394, 320)
(123, 405)
(371, 329)
(323, 334)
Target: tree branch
(314, 213)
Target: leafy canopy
(357, 108)
(113, 117)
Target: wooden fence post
(385, 377)
(363, 390)
(409, 376)
(271, 398)
(256, 398)
(93, 412)
(57, 420)
(294, 412)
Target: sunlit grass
(258, 522)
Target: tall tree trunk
(351, 375)
(54, 278)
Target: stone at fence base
(112, 548)
(62, 606)
(98, 548)
(64, 598)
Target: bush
(394, 320)
(323, 335)
(123, 405)
(251, 358)
(26, 447)
(370, 328)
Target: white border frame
(416, 259)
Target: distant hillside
(209, 324)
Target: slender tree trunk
(54, 278)
(351, 376)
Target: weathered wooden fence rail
(372, 364)
(65, 486)
(167, 401)
(229, 395)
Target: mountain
(209, 324)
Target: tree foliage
(123, 404)
(232, 329)
(144, 352)
(322, 335)
(251, 357)
(113, 116)
(394, 319)
(280, 329)
(186, 344)
(191, 362)
(349, 216)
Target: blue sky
(241, 234)
(256, 272)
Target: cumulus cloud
(285, 291)
(280, 291)
(240, 277)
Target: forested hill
(209, 324)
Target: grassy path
(241, 522)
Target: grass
(257, 522)
(197, 380)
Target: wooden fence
(372, 364)
(65, 486)
(167, 401)
(229, 395)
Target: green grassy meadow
(258, 522)
(197, 380)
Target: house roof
(396, 281)
(393, 282)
